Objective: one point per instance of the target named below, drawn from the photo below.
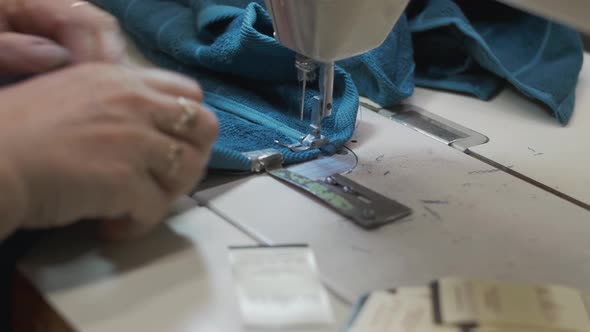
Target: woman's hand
(106, 142)
(37, 36)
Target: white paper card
(279, 287)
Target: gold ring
(174, 154)
(188, 115)
(79, 4)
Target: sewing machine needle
(303, 87)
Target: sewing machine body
(332, 30)
(572, 12)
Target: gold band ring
(79, 4)
(174, 154)
(188, 116)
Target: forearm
(12, 199)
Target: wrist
(13, 200)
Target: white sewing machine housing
(572, 12)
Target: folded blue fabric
(476, 46)
(249, 79)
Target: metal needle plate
(363, 206)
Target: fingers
(175, 165)
(89, 33)
(118, 229)
(24, 54)
(124, 228)
(186, 120)
(177, 109)
(171, 83)
(148, 210)
(174, 168)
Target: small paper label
(511, 305)
(406, 310)
(279, 286)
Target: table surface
(176, 279)
(524, 136)
(469, 219)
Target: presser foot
(314, 138)
(321, 104)
(307, 142)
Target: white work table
(176, 279)
(524, 135)
(469, 219)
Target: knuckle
(62, 20)
(211, 124)
(124, 142)
(107, 21)
(132, 137)
(98, 73)
(182, 84)
(196, 92)
(92, 19)
(119, 176)
(117, 107)
(134, 98)
(129, 97)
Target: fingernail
(50, 55)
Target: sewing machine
(324, 31)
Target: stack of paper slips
(468, 305)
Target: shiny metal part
(314, 139)
(361, 205)
(435, 127)
(306, 72)
(326, 88)
(324, 166)
(297, 147)
(321, 107)
(264, 159)
(303, 88)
